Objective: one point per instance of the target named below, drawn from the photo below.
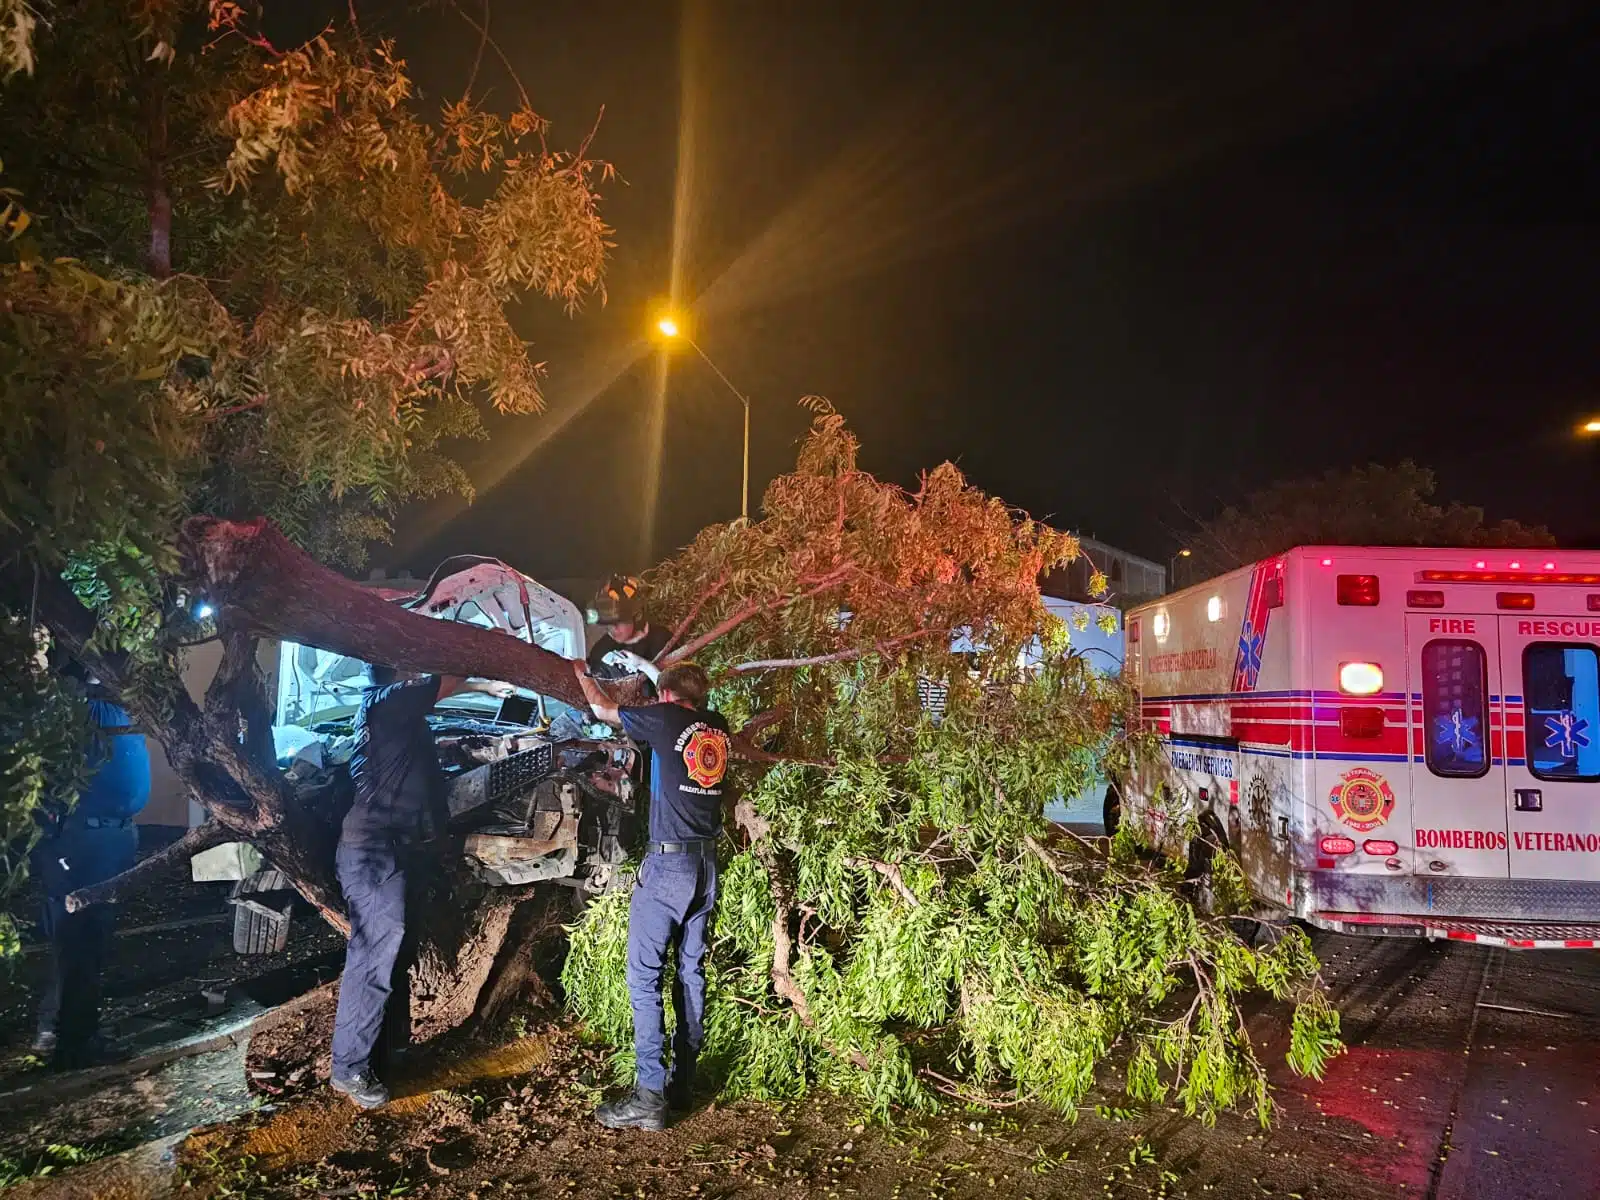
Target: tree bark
(268, 586)
(201, 837)
(158, 195)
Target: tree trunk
(223, 752)
(267, 585)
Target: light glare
(1360, 678)
(668, 327)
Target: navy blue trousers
(671, 906)
(79, 943)
(374, 1002)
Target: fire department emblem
(705, 758)
(1362, 799)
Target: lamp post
(670, 329)
(1590, 427)
(1172, 567)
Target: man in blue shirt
(94, 841)
(677, 885)
(399, 801)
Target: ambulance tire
(1112, 811)
(1203, 849)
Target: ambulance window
(1561, 686)
(1455, 696)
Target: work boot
(83, 1053)
(364, 1088)
(680, 1095)
(640, 1109)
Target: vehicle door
(1552, 711)
(1458, 785)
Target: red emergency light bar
(1504, 577)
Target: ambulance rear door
(1552, 716)
(1458, 780)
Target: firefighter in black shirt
(629, 643)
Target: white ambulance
(1394, 741)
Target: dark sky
(1122, 265)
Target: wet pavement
(1471, 1072)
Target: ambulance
(1394, 741)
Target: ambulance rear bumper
(1513, 935)
(1517, 913)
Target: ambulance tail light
(1380, 849)
(1424, 599)
(1335, 846)
(1360, 591)
(1514, 600)
(1360, 678)
(1363, 722)
(1594, 602)
(1515, 576)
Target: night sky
(1123, 266)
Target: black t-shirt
(690, 754)
(647, 647)
(395, 767)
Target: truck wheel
(1112, 812)
(1203, 849)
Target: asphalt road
(1471, 1072)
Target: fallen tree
(266, 286)
(901, 924)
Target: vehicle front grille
(517, 773)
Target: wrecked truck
(537, 791)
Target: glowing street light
(1172, 567)
(1591, 426)
(669, 328)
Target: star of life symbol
(1457, 731)
(1249, 664)
(1566, 731)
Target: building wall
(170, 803)
(1130, 577)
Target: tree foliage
(242, 279)
(902, 925)
(43, 757)
(1364, 506)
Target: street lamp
(669, 328)
(1172, 567)
(1591, 426)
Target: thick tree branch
(764, 720)
(201, 837)
(820, 584)
(783, 981)
(265, 584)
(694, 611)
(238, 695)
(891, 872)
(768, 664)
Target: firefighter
(399, 801)
(629, 646)
(677, 885)
(90, 844)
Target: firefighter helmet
(619, 601)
